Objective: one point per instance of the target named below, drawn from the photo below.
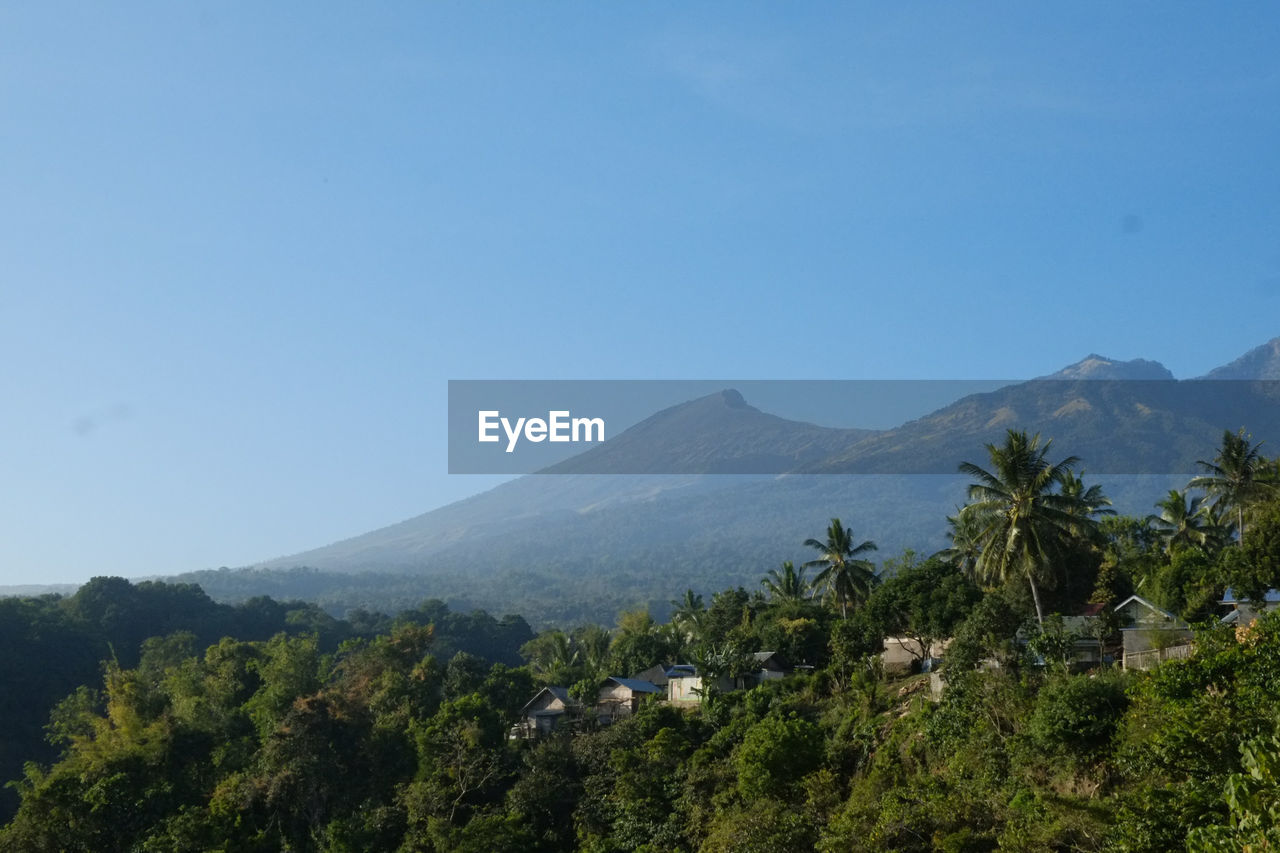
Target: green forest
(147, 717)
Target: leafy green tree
(638, 644)
(462, 764)
(1053, 643)
(764, 826)
(288, 668)
(844, 575)
(1254, 568)
(1023, 518)
(546, 793)
(987, 632)
(464, 674)
(922, 601)
(731, 616)
(775, 755)
(797, 632)
(1254, 800)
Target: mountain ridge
(1260, 363)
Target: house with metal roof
(655, 675)
(621, 697)
(1243, 611)
(545, 713)
(685, 687)
(1150, 634)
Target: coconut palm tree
(787, 585)
(1182, 520)
(844, 575)
(1219, 527)
(592, 648)
(1236, 477)
(964, 549)
(553, 656)
(1087, 503)
(688, 616)
(1022, 517)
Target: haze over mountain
(613, 538)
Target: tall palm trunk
(1035, 595)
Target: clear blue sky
(243, 246)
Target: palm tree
(787, 585)
(1087, 504)
(688, 616)
(1236, 477)
(843, 575)
(592, 648)
(552, 655)
(1181, 521)
(1022, 521)
(1219, 528)
(964, 549)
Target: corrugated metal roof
(1147, 604)
(1271, 596)
(765, 657)
(561, 693)
(635, 685)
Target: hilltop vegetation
(392, 734)
(51, 645)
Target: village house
(1150, 635)
(1097, 640)
(901, 654)
(655, 675)
(621, 697)
(772, 667)
(1243, 612)
(545, 713)
(685, 683)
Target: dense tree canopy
(174, 723)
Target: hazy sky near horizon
(244, 246)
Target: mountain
(568, 546)
(1094, 366)
(1116, 427)
(716, 434)
(1258, 363)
